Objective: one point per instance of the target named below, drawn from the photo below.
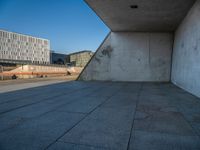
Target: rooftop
(84, 51)
(3, 30)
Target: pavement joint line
(56, 84)
(37, 91)
(188, 122)
(138, 98)
(52, 110)
(15, 125)
(45, 99)
(160, 132)
(71, 112)
(25, 84)
(107, 99)
(87, 145)
(28, 119)
(180, 136)
(27, 96)
(66, 104)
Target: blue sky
(70, 25)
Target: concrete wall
(186, 53)
(132, 56)
(39, 68)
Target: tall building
(17, 47)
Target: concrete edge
(78, 78)
(96, 13)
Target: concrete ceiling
(151, 15)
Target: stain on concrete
(195, 47)
(196, 119)
(158, 64)
(124, 63)
(169, 109)
(98, 60)
(121, 67)
(13, 123)
(182, 45)
(107, 51)
(142, 115)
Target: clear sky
(70, 25)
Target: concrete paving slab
(70, 146)
(196, 127)
(15, 95)
(36, 98)
(107, 91)
(106, 127)
(10, 121)
(43, 107)
(83, 105)
(162, 141)
(39, 132)
(100, 115)
(14, 87)
(118, 101)
(16, 117)
(164, 122)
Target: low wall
(38, 68)
(30, 71)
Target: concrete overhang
(151, 15)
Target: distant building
(80, 59)
(15, 47)
(58, 58)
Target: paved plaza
(79, 115)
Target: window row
(20, 37)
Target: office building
(15, 47)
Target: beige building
(18, 47)
(80, 59)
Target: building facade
(80, 59)
(23, 48)
(58, 58)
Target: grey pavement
(13, 85)
(100, 116)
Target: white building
(18, 47)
